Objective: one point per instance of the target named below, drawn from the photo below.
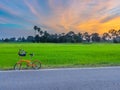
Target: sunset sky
(17, 17)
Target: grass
(62, 55)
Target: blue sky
(17, 17)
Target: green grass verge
(62, 55)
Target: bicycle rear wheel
(17, 66)
(36, 64)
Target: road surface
(62, 79)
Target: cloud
(87, 15)
(32, 8)
(62, 15)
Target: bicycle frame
(28, 62)
(35, 64)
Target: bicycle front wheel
(17, 66)
(36, 64)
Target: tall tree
(41, 32)
(35, 28)
(45, 37)
(37, 38)
(38, 29)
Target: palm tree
(38, 29)
(45, 36)
(35, 28)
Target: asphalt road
(62, 79)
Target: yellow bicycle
(35, 64)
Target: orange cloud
(97, 26)
(85, 16)
(112, 24)
(77, 15)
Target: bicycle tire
(36, 64)
(17, 66)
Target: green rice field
(62, 55)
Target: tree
(61, 38)
(6, 40)
(116, 38)
(38, 29)
(53, 38)
(113, 33)
(35, 28)
(41, 33)
(19, 39)
(70, 36)
(106, 37)
(13, 39)
(37, 38)
(45, 37)
(79, 37)
(30, 39)
(118, 32)
(95, 37)
(86, 37)
(23, 39)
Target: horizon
(17, 17)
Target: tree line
(41, 36)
